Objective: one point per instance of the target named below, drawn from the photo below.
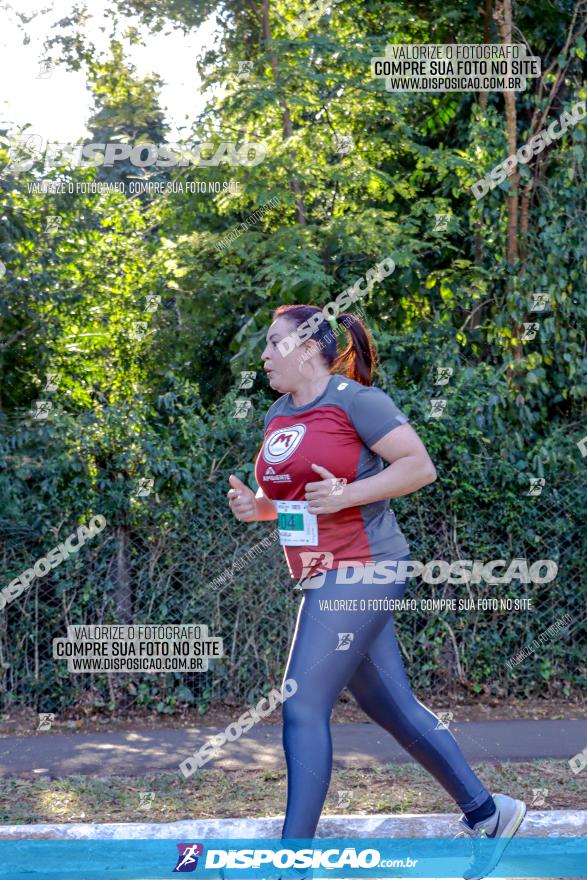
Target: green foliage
(156, 403)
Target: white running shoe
(500, 827)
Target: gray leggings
(322, 662)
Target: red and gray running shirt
(335, 431)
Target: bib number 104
(297, 527)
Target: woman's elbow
(429, 473)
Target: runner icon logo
(314, 568)
(187, 860)
(344, 641)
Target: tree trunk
(525, 218)
(286, 118)
(483, 96)
(122, 591)
(503, 16)
(486, 39)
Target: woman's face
(285, 372)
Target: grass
(213, 794)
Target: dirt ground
(25, 721)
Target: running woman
(321, 469)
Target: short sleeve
(273, 411)
(374, 414)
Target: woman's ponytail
(359, 358)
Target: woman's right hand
(242, 500)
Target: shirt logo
(271, 476)
(342, 386)
(282, 443)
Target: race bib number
(297, 527)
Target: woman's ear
(311, 348)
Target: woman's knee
(302, 709)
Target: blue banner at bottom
(271, 859)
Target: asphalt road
(355, 745)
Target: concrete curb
(538, 823)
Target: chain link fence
(168, 567)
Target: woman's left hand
(327, 495)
